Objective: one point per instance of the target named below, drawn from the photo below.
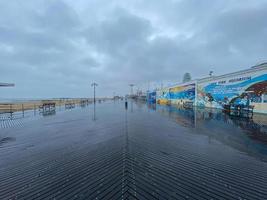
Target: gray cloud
(57, 48)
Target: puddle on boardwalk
(19, 118)
(143, 151)
(6, 140)
(247, 135)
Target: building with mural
(151, 96)
(177, 94)
(162, 96)
(246, 87)
(183, 93)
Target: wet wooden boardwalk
(135, 154)
(18, 119)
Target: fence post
(22, 106)
(11, 113)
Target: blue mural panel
(185, 92)
(245, 90)
(151, 97)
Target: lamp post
(94, 85)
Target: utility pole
(94, 85)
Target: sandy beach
(31, 105)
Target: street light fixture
(94, 85)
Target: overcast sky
(57, 48)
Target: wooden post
(22, 109)
(11, 113)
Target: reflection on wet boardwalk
(145, 152)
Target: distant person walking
(126, 103)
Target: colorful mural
(151, 97)
(244, 89)
(184, 92)
(176, 94)
(163, 96)
(249, 89)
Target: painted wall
(248, 88)
(182, 93)
(177, 94)
(162, 96)
(151, 96)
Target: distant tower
(131, 85)
(187, 77)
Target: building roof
(259, 67)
